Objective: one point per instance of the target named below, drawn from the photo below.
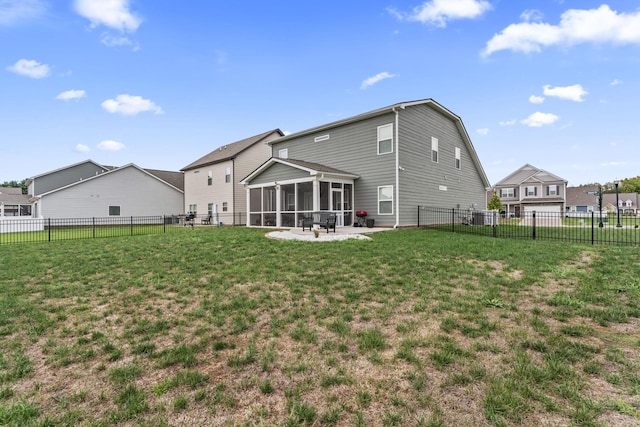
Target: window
(532, 191)
(457, 158)
(434, 149)
(210, 178)
(193, 209)
(552, 190)
(284, 153)
(385, 139)
(114, 210)
(385, 200)
(210, 208)
(225, 206)
(227, 174)
(507, 192)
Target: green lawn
(222, 326)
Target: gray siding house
(386, 162)
(61, 177)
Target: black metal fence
(583, 227)
(32, 230)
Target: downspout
(395, 110)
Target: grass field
(222, 326)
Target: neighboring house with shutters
(531, 189)
(212, 183)
(386, 162)
(87, 189)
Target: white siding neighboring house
(124, 191)
(531, 189)
(212, 183)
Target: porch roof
(310, 167)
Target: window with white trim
(531, 191)
(552, 190)
(457, 163)
(507, 192)
(283, 153)
(385, 139)
(193, 209)
(434, 149)
(114, 210)
(210, 208)
(227, 174)
(210, 178)
(225, 207)
(385, 200)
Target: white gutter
(395, 110)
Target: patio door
(337, 205)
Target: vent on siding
(320, 138)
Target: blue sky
(160, 83)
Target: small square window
(114, 210)
(283, 153)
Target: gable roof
(577, 196)
(312, 168)
(114, 171)
(230, 151)
(13, 195)
(106, 168)
(398, 107)
(176, 179)
(529, 173)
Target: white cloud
(130, 105)
(438, 12)
(570, 93)
(483, 131)
(376, 79)
(508, 122)
(30, 68)
(15, 11)
(531, 15)
(616, 82)
(109, 145)
(536, 99)
(115, 41)
(110, 13)
(601, 25)
(71, 94)
(538, 119)
(81, 148)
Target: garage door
(543, 208)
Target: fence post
(453, 219)
(495, 223)
(93, 227)
(534, 225)
(418, 216)
(131, 225)
(49, 228)
(164, 223)
(592, 228)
